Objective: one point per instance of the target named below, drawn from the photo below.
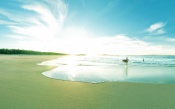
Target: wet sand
(22, 86)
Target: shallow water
(96, 69)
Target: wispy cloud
(170, 39)
(17, 18)
(37, 19)
(6, 22)
(156, 28)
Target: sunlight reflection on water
(86, 69)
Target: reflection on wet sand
(93, 74)
(126, 71)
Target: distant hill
(27, 52)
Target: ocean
(106, 68)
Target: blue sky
(123, 27)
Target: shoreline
(81, 70)
(24, 87)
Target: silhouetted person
(125, 60)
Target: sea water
(105, 68)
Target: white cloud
(170, 39)
(6, 22)
(121, 44)
(18, 37)
(14, 18)
(156, 28)
(39, 21)
(161, 31)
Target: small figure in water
(125, 60)
(143, 59)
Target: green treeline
(27, 52)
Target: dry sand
(22, 86)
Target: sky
(117, 27)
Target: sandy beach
(22, 86)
